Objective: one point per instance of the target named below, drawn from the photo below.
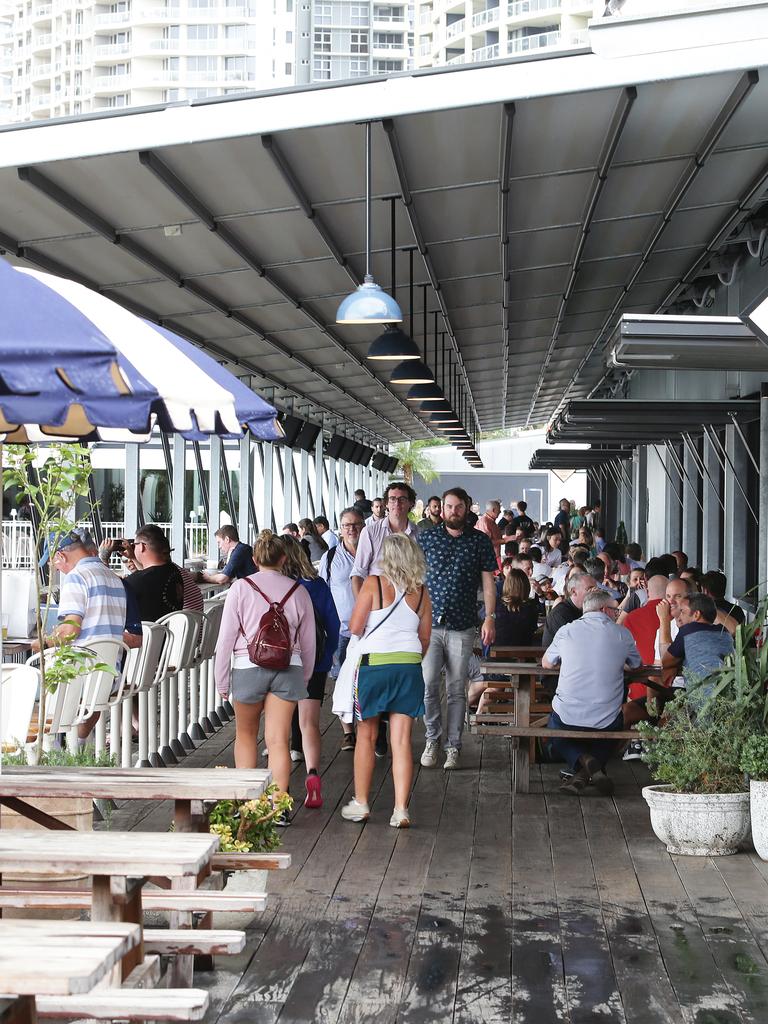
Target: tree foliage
(414, 462)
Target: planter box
(698, 824)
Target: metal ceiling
(544, 197)
(575, 458)
(686, 342)
(636, 421)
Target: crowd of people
(396, 612)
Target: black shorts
(316, 686)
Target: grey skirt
(251, 685)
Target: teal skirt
(394, 688)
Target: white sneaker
(297, 755)
(634, 751)
(400, 818)
(429, 757)
(265, 752)
(354, 811)
(451, 758)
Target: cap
(79, 536)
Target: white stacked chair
(20, 684)
(184, 629)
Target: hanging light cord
(368, 224)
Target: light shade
(393, 345)
(369, 304)
(446, 417)
(425, 393)
(411, 371)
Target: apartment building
(355, 39)
(74, 56)
(6, 59)
(462, 31)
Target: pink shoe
(314, 796)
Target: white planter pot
(698, 824)
(240, 881)
(758, 807)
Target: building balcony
(42, 102)
(42, 12)
(426, 17)
(113, 18)
(483, 19)
(523, 9)
(202, 45)
(425, 48)
(41, 42)
(460, 59)
(40, 71)
(111, 50)
(456, 28)
(547, 41)
(239, 76)
(485, 53)
(111, 83)
(388, 47)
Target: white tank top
(400, 631)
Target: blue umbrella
(75, 364)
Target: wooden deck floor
(536, 909)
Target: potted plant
(699, 805)
(248, 826)
(754, 761)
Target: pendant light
(394, 345)
(410, 372)
(368, 304)
(427, 392)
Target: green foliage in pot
(696, 750)
(57, 757)
(249, 826)
(754, 757)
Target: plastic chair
(146, 669)
(20, 684)
(201, 726)
(184, 628)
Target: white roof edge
(677, 318)
(369, 101)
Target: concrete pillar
(268, 510)
(245, 511)
(131, 500)
(710, 530)
(690, 536)
(736, 514)
(304, 506)
(320, 505)
(640, 493)
(673, 499)
(334, 500)
(287, 485)
(214, 496)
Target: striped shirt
(96, 594)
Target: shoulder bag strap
(391, 610)
(421, 598)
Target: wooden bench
(171, 1004)
(200, 901)
(193, 941)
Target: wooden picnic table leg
(190, 816)
(523, 718)
(106, 907)
(23, 1011)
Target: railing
(487, 17)
(41, 102)
(456, 28)
(44, 11)
(42, 40)
(388, 46)
(111, 50)
(548, 41)
(19, 540)
(113, 18)
(41, 71)
(460, 59)
(425, 49)
(425, 17)
(486, 53)
(522, 8)
(110, 83)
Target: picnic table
(57, 958)
(188, 788)
(514, 718)
(119, 864)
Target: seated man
(715, 584)
(701, 642)
(237, 556)
(593, 652)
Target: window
(322, 42)
(240, 69)
(289, 37)
(289, 6)
(358, 67)
(385, 67)
(321, 68)
(121, 100)
(387, 40)
(170, 95)
(246, 34)
(288, 68)
(201, 32)
(202, 65)
(171, 64)
(358, 42)
(388, 12)
(201, 94)
(323, 14)
(116, 70)
(358, 14)
(202, 3)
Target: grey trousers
(449, 649)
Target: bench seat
(193, 941)
(171, 1004)
(199, 901)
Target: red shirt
(487, 525)
(643, 624)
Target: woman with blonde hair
(305, 724)
(393, 617)
(254, 688)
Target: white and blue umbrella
(76, 365)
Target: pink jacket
(243, 609)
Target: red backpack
(272, 645)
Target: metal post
(690, 515)
(202, 482)
(762, 567)
(268, 514)
(245, 522)
(716, 441)
(178, 503)
(226, 480)
(710, 526)
(287, 485)
(640, 488)
(304, 496)
(214, 498)
(334, 505)
(132, 485)
(319, 477)
(735, 539)
(703, 468)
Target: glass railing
(486, 53)
(483, 18)
(456, 28)
(521, 8)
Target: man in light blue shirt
(593, 653)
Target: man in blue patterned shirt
(459, 560)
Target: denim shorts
(251, 685)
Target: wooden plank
(484, 989)
(694, 974)
(80, 899)
(590, 979)
(129, 1004)
(191, 941)
(250, 861)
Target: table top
(135, 783)
(129, 854)
(60, 957)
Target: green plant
(697, 750)
(754, 757)
(414, 462)
(57, 757)
(68, 662)
(248, 826)
(52, 490)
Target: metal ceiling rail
(68, 202)
(51, 266)
(704, 150)
(399, 163)
(171, 181)
(610, 145)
